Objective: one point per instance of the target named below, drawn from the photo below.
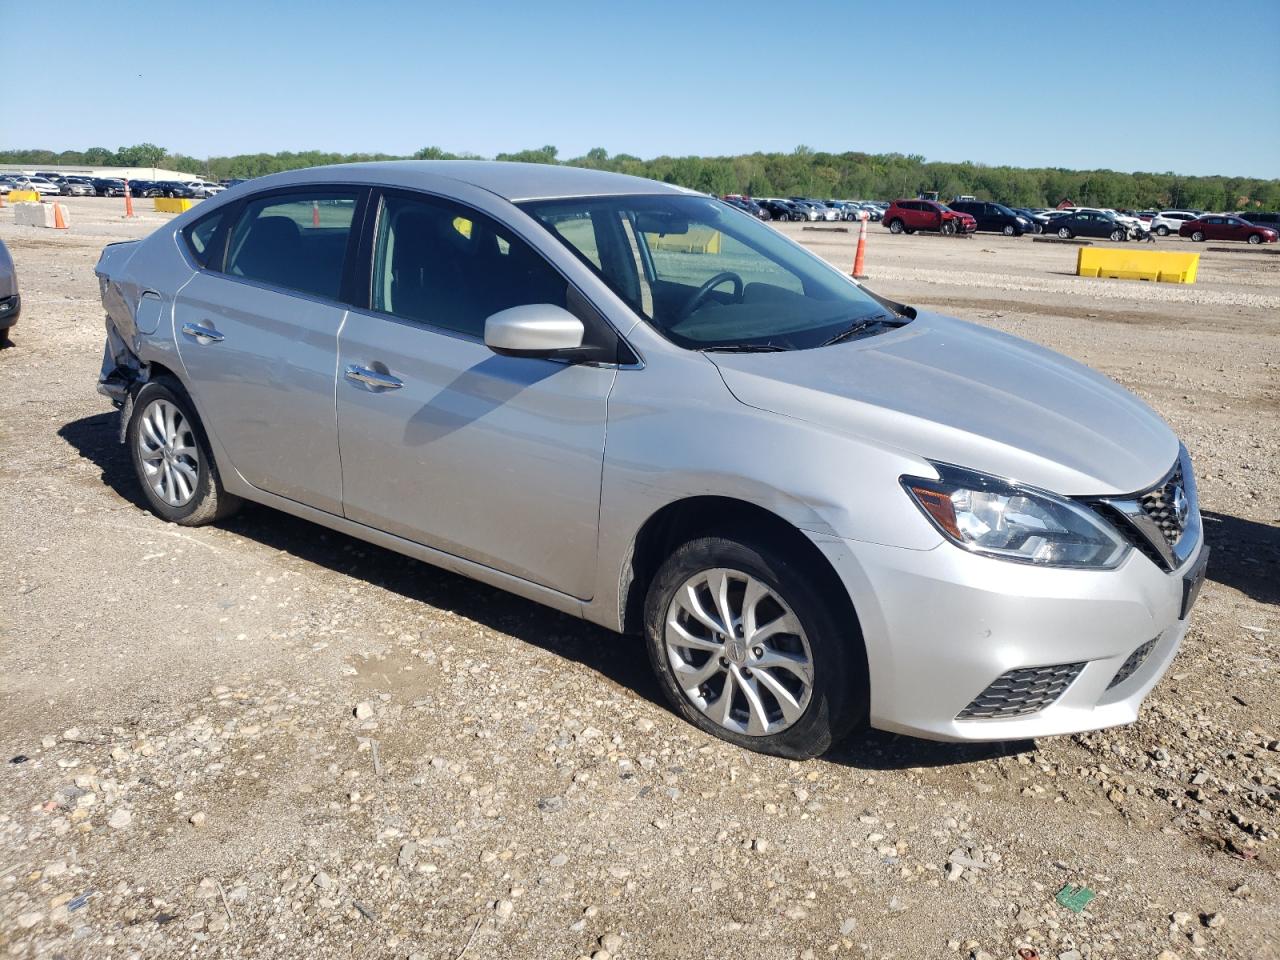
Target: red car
(1223, 227)
(908, 216)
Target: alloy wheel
(168, 452)
(738, 652)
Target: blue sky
(1191, 87)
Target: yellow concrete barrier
(173, 204)
(23, 196)
(1137, 265)
(696, 240)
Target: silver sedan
(10, 300)
(821, 508)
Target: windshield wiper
(851, 332)
(745, 348)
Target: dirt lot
(198, 780)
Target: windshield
(707, 276)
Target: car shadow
(1246, 555)
(620, 659)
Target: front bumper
(10, 308)
(942, 625)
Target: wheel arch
(689, 518)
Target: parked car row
(804, 208)
(53, 185)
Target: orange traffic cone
(858, 257)
(128, 201)
(315, 213)
(59, 221)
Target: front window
(709, 277)
(441, 264)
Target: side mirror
(533, 330)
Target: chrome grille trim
(1021, 692)
(1150, 519)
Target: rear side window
(200, 238)
(445, 265)
(296, 241)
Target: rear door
(495, 459)
(1233, 228)
(257, 333)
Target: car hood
(952, 391)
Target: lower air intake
(1134, 661)
(1021, 692)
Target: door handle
(202, 333)
(372, 378)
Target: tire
(833, 701)
(947, 227)
(1064, 233)
(1254, 238)
(896, 226)
(1010, 230)
(1118, 235)
(1162, 231)
(163, 410)
(1197, 236)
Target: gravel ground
(263, 739)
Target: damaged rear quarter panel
(138, 281)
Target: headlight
(996, 518)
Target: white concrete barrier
(33, 214)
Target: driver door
(443, 442)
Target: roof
(511, 181)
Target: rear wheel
(1162, 231)
(171, 457)
(747, 649)
(1064, 233)
(1197, 236)
(896, 226)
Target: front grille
(1021, 692)
(1134, 661)
(1156, 520)
(1159, 504)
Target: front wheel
(171, 457)
(947, 227)
(1197, 236)
(747, 648)
(1254, 238)
(1064, 233)
(1118, 235)
(1010, 230)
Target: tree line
(802, 172)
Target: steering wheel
(704, 291)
